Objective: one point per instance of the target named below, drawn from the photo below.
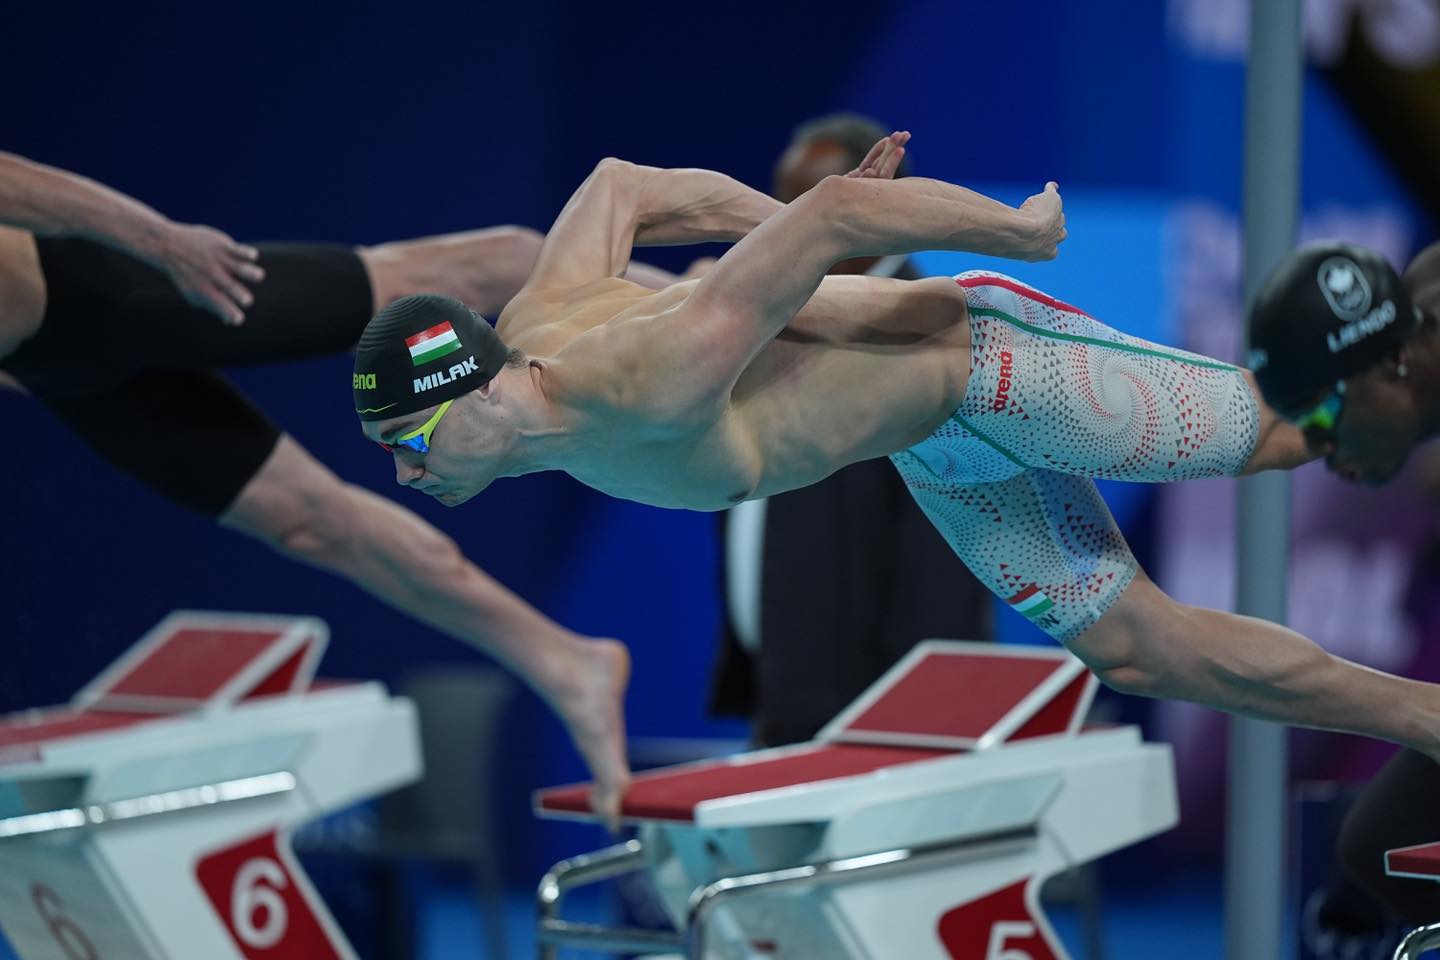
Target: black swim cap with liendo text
(1327, 312)
(419, 352)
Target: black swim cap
(1329, 311)
(420, 351)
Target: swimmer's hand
(1046, 211)
(883, 159)
(210, 269)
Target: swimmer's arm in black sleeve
(210, 269)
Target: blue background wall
(367, 122)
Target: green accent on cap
(376, 409)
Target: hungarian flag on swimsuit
(1030, 602)
(432, 344)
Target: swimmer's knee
(293, 504)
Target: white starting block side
(149, 836)
(920, 824)
(1420, 862)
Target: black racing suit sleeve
(127, 364)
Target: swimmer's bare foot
(590, 699)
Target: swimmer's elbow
(1132, 680)
(1116, 660)
(1141, 645)
(615, 174)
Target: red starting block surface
(964, 696)
(675, 793)
(1421, 862)
(190, 661)
(941, 699)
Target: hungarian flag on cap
(432, 344)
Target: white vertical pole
(1255, 854)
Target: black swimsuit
(121, 355)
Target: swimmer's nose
(406, 474)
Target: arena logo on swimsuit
(439, 378)
(1002, 391)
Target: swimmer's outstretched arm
(759, 284)
(1150, 645)
(210, 269)
(622, 205)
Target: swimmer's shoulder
(548, 320)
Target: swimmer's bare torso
(867, 367)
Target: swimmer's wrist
(142, 233)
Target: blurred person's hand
(883, 159)
(210, 269)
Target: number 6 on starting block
(209, 740)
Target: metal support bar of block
(555, 933)
(1419, 940)
(588, 868)
(704, 900)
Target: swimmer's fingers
(230, 298)
(249, 272)
(870, 158)
(237, 292)
(889, 163)
(243, 265)
(209, 297)
(884, 157)
(211, 269)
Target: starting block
(151, 818)
(1421, 863)
(920, 823)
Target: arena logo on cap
(439, 341)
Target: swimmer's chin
(453, 498)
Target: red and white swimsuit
(1055, 398)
